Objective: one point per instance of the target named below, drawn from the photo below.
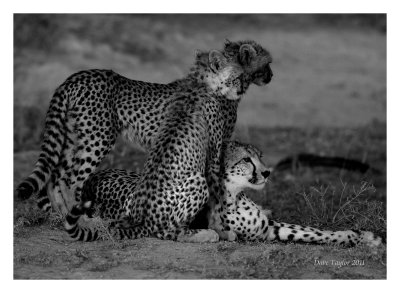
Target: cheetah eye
(247, 160)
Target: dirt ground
(47, 253)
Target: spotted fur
(93, 107)
(243, 168)
(173, 185)
(105, 193)
(257, 67)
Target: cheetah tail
(297, 233)
(43, 201)
(74, 230)
(52, 143)
(121, 228)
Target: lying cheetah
(93, 107)
(243, 169)
(106, 191)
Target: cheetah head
(224, 77)
(243, 168)
(253, 57)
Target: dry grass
(352, 210)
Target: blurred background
(327, 96)
(328, 69)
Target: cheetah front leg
(122, 231)
(190, 199)
(189, 235)
(216, 212)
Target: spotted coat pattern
(173, 185)
(93, 107)
(243, 168)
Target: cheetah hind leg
(57, 191)
(125, 229)
(190, 235)
(50, 198)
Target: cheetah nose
(266, 173)
(268, 78)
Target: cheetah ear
(230, 45)
(247, 53)
(216, 60)
(201, 58)
(197, 54)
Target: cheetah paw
(370, 239)
(227, 235)
(200, 237)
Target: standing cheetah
(173, 185)
(91, 108)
